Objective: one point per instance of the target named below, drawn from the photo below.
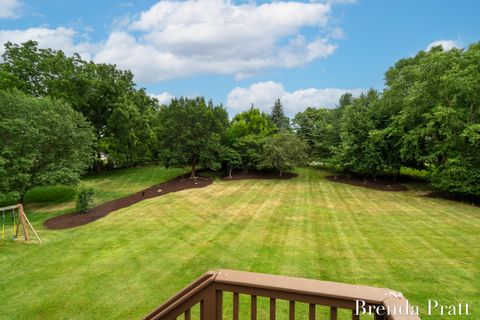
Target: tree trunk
(192, 175)
(230, 172)
(98, 166)
(397, 174)
(281, 171)
(22, 198)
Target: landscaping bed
(77, 219)
(380, 184)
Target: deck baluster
(236, 309)
(253, 307)
(311, 311)
(333, 313)
(273, 313)
(292, 310)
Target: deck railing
(208, 290)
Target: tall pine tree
(279, 119)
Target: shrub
(84, 198)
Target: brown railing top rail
(275, 283)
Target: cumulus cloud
(174, 39)
(183, 38)
(163, 98)
(10, 8)
(59, 39)
(264, 94)
(446, 44)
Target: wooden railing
(207, 292)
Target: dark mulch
(454, 197)
(260, 175)
(381, 184)
(76, 219)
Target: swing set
(15, 217)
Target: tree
(93, 89)
(279, 119)
(318, 127)
(130, 137)
(282, 151)
(231, 159)
(246, 135)
(436, 106)
(187, 128)
(42, 142)
(360, 148)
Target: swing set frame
(22, 221)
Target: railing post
(209, 310)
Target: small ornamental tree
(84, 198)
(283, 151)
(231, 159)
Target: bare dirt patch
(71, 220)
(381, 184)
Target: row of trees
(61, 115)
(427, 117)
(120, 114)
(194, 132)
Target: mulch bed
(76, 219)
(454, 197)
(260, 175)
(380, 184)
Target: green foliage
(84, 198)
(279, 119)
(318, 127)
(188, 129)
(130, 138)
(95, 90)
(231, 159)
(282, 151)
(459, 176)
(435, 104)
(42, 142)
(360, 147)
(250, 122)
(246, 134)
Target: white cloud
(175, 39)
(163, 98)
(59, 39)
(446, 44)
(9, 8)
(264, 94)
(183, 38)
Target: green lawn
(45, 201)
(127, 263)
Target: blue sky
(243, 52)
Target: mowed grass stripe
(127, 263)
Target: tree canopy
(42, 142)
(188, 128)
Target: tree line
(61, 116)
(427, 118)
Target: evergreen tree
(279, 119)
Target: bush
(84, 198)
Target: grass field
(124, 265)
